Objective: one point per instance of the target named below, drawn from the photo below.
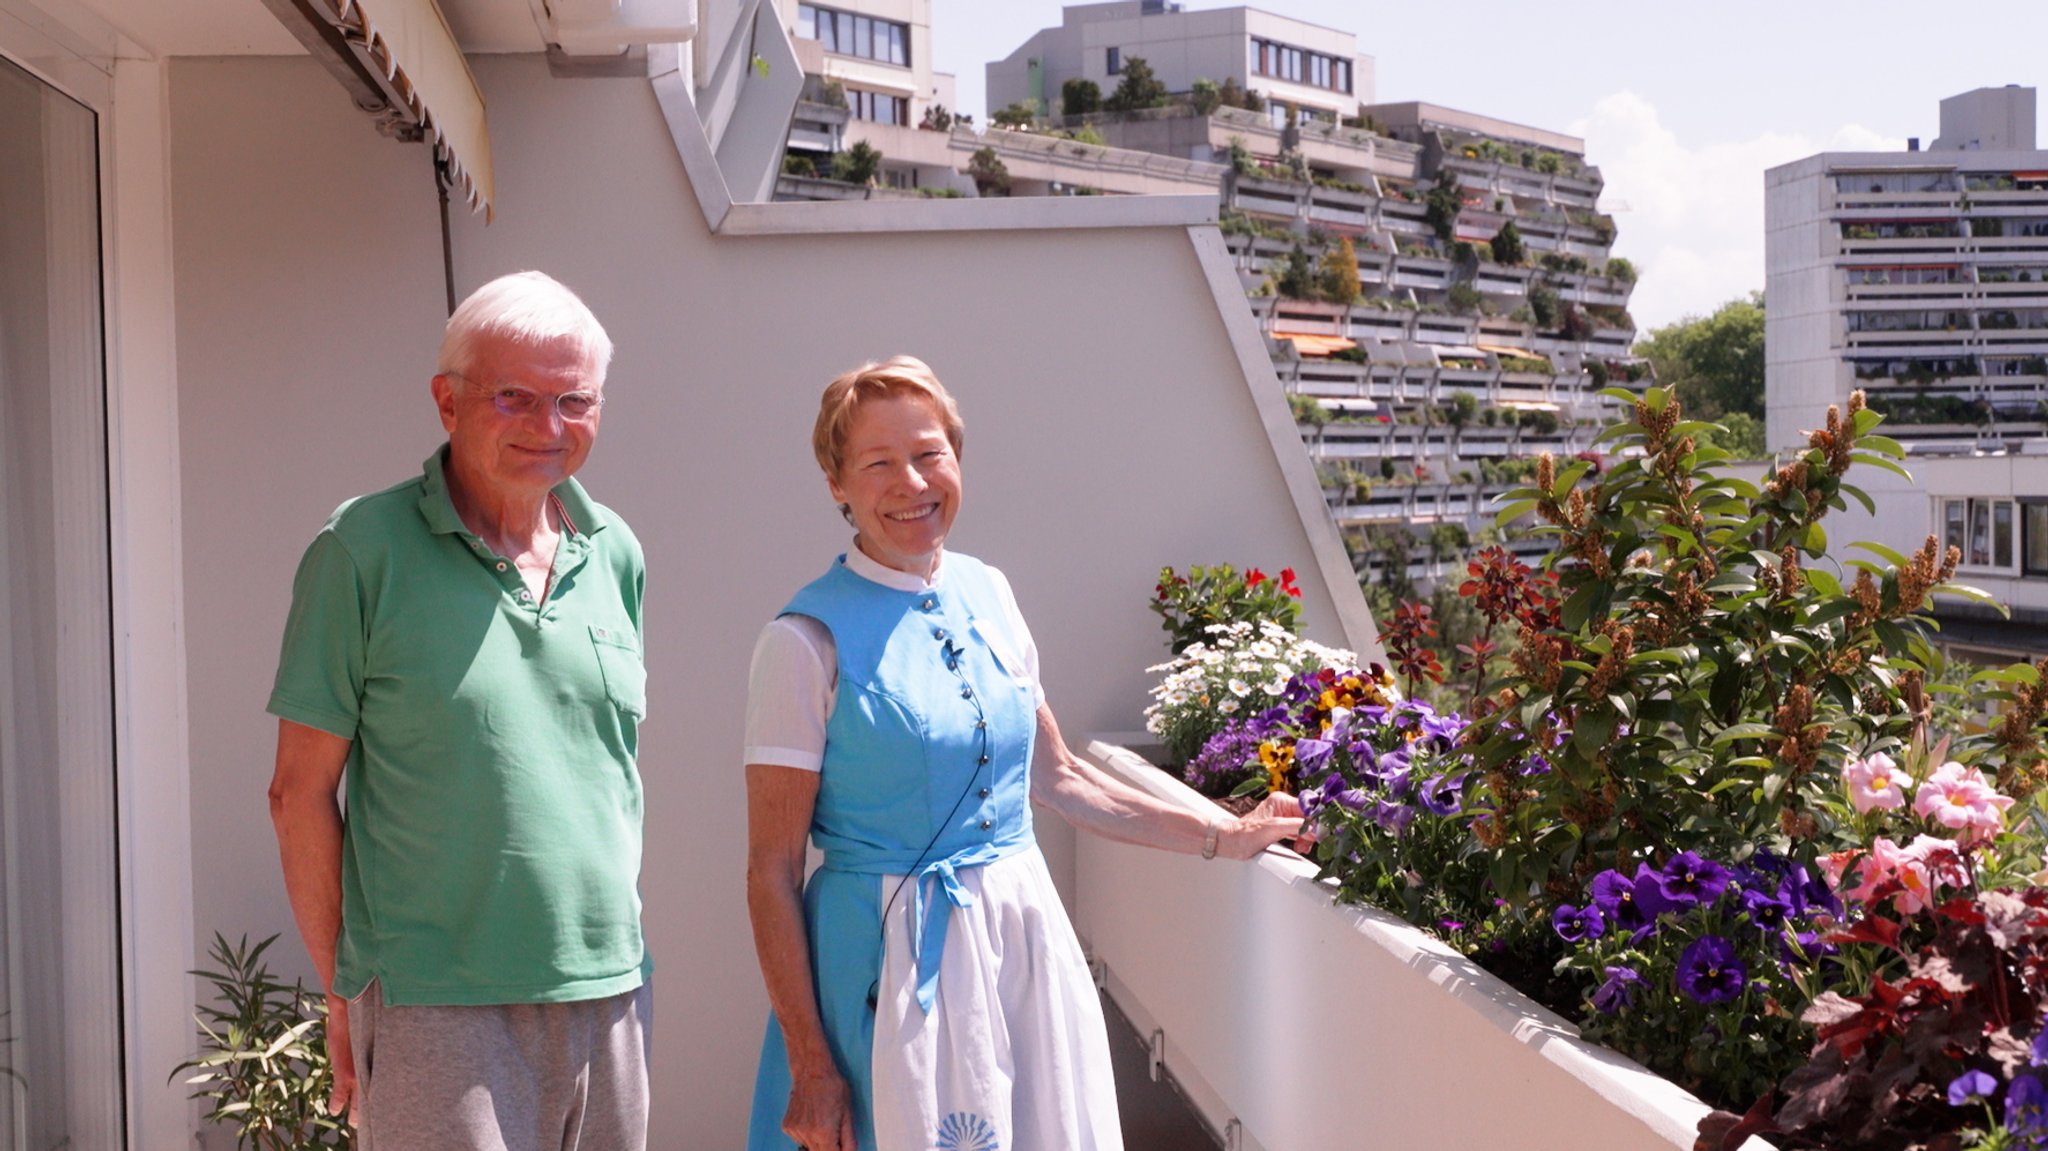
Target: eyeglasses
(518, 403)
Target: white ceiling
(247, 28)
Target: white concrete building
(1314, 69)
(1922, 278)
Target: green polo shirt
(492, 847)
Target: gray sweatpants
(512, 1077)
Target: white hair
(524, 308)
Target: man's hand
(341, 1062)
(820, 1115)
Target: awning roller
(409, 42)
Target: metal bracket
(1233, 1136)
(1100, 970)
(1157, 1055)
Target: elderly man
(465, 647)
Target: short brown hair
(895, 376)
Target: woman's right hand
(820, 1115)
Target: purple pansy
(2039, 1058)
(1618, 992)
(1442, 794)
(1971, 1086)
(1629, 904)
(1710, 972)
(2026, 1111)
(1394, 817)
(1578, 924)
(1769, 912)
(1687, 880)
(1312, 755)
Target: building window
(2034, 537)
(878, 107)
(849, 34)
(1115, 61)
(1300, 66)
(1983, 529)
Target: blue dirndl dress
(967, 1021)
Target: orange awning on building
(1307, 344)
(1518, 353)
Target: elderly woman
(928, 990)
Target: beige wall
(1110, 430)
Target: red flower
(1287, 583)
(1254, 578)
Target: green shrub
(1507, 245)
(1080, 96)
(990, 175)
(1204, 97)
(859, 164)
(1139, 89)
(263, 1062)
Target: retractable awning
(410, 43)
(1313, 345)
(399, 62)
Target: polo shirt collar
(441, 517)
(859, 563)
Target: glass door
(60, 1039)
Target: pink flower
(1919, 869)
(1876, 782)
(1944, 860)
(1960, 798)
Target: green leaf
(1885, 444)
(1882, 552)
(1978, 595)
(1861, 497)
(1877, 461)
(1562, 486)
(1513, 511)
(1580, 606)
(1736, 731)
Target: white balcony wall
(1315, 1025)
(1111, 430)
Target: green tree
(991, 176)
(1295, 278)
(1337, 274)
(1138, 90)
(1080, 96)
(1442, 204)
(1021, 114)
(1543, 305)
(1507, 245)
(1204, 96)
(859, 164)
(1715, 362)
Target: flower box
(1291, 1021)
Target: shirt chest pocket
(625, 676)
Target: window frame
(1984, 526)
(839, 33)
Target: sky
(1682, 103)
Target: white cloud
(1694, 218)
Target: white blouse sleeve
(1014, 619)
(790, 690)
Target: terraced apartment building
(1921, 277)
(1436, 287)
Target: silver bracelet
(1209, 840)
